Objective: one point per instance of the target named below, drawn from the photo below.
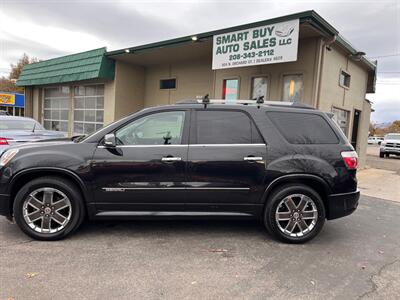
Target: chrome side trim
(217, 188)
(143, 146)
(185, 145)
(169, 214)
(252, 158)
(119, 189)
(168, 159)
(226, 145)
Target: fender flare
(293, 177)
(61, 171)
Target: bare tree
(7, 84)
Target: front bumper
(5, 205)
(340, 205)
(390, 150)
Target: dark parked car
(284, 163)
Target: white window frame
(347, 133)
(268, 77)
(223, 84)
(71, 107)
(302, 74)
(346, 74)
(86, 109)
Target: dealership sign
(7, 99)
(267, 44)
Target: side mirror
(109, 140)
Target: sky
(51, 28)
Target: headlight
(383, 143)
(7, 156)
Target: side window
(225, 127)
(300, 128)
(163, 128)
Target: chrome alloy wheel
(47, 210)
(296, 215)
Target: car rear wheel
(294, 213)
(48, 208)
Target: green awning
(76, 67)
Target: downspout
(325, 46)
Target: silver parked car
(16, 130)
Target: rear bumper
(5, 205)
(340, 205)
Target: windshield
(392, 137)
(20, 125)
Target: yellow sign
(7, 99)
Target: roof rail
(206, 101)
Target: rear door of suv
(226, 161)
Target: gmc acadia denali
(285, 163)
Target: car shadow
(211, 229)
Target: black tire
(68, 188)
(381, 154)
(275, 199)
(387, 155)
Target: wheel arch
(313, 181)
(23, 177)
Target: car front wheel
(48, 208)
(294, 213)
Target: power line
(382, 56)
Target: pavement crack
(16, 244)
(376, 274)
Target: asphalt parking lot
(357, 257)
(391, 163)
(354, 257)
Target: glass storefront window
(230, 89)
(56, 108)
(292, 87)
(13, 110)
(88, 109)
(19, 111)
(341, 117)
(259, 87)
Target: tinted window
(157, 129)
(298, 128)
(166, 84)
(225, 127)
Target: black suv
(284, 163)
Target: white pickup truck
(375, 140)
(390, 145)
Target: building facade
(13, 103)
(82, 92)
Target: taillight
(4, 141)
(350, 159)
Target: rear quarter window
(301, 128)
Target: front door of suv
(146, 170)
(226, 162)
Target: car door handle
(252, 158)
(171, 158)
